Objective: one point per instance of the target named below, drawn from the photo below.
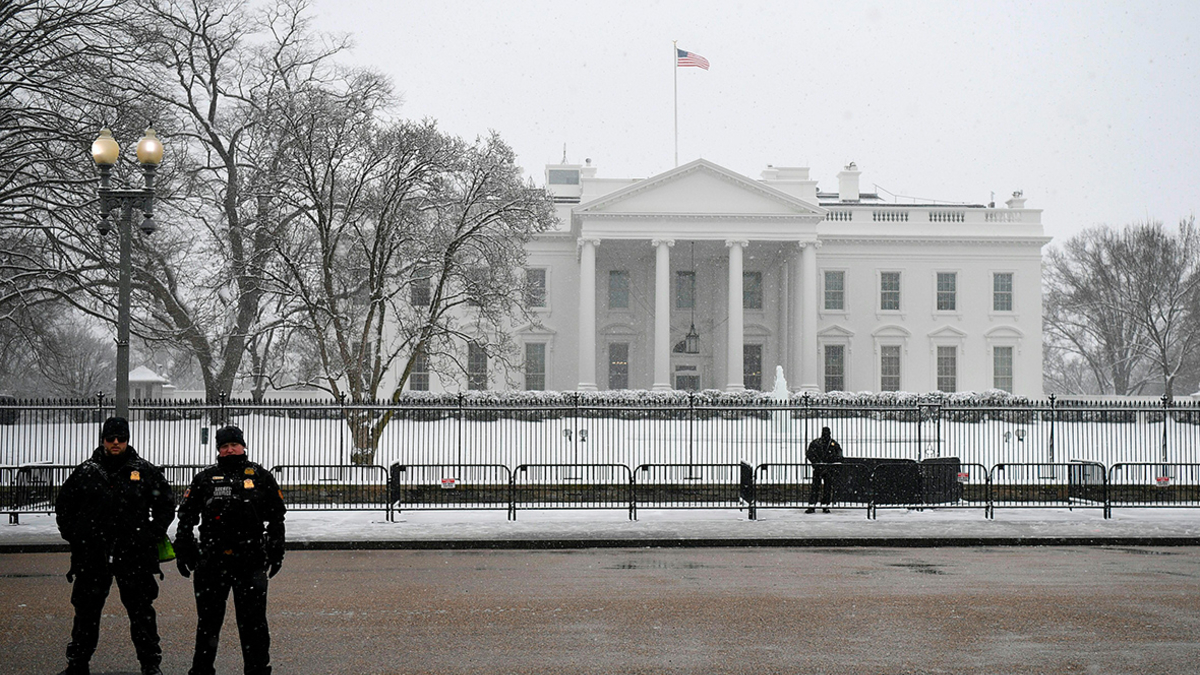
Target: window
(835, 291)
(421, 294)
(946, 282)
(535, 366)
(752, 297)
(1002, 368)
(477, 365)
(618, 289)
(618, 365)
(889, 368)
(947, 368)
(685, 290)
(563, 176)
(752, 366)
(889, 291)
(1002, 292)
(535, 287)
(835, 367)
(418, 379)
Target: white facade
(844, 290)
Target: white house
(844, 290)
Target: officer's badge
(249, 471)
(248, 484)
(135, 475)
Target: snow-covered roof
(144, 374)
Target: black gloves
(274, 550)
(186, 553)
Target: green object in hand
(166, 552)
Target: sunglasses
(117, 439)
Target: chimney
(848, 183)
(1017, 201)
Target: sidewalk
(699, 528)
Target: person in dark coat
(821, 453)
(231, 501)
(113, 510)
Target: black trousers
(822, 482)
(213, 579)
(138, 590)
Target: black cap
(230, 434)
(115, 426)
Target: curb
(779, 542)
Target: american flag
(684, 59)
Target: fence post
(807, 415)
(100, 408)
(1053, 419)
(461, 396)
(1166, 404)
(691, 434)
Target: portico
(725, 214)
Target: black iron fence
(591, 452)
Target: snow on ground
(427, 528)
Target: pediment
(1004, 332)
(618, 328)
(948, 332)
(700, 188)
(835, 331)
(891, 330)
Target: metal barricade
(334, 487)
(31, 488)
(1153, 485)
(790, 486)
(450, 486)
(1040, 485)
(573, 486)
(932, 483)
(690, 486)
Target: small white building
(145, 384)
(844, 290)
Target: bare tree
(1164, 293)
(75, 361)
(221, 74)
(1086, 314)
(411, 247)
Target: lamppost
(106, 152)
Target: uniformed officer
(113, 510)
(231, 500)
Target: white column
(733, 359)
(662, 314)
(796, 316)
(587, 314)
(810, 379)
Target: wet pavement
(964, 609)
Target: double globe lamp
(106, 153)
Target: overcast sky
(1091, 108)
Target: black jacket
(115, 507)
(821, 452)
(231, 500)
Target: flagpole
(675, 77)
